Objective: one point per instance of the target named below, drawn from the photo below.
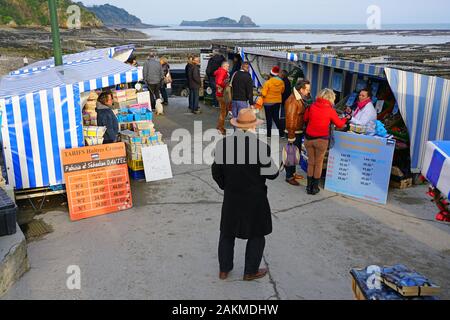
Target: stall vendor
(107, 118)
(365, 113)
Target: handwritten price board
(97, 180)
(360, 166)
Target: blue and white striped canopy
(78, 58)
(424, 103)
(41, 115)
(436, 167)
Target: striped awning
(424, 103)
(436, 167)
(332, 62)
(42, 114)
(79, 58)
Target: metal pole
(57, 52)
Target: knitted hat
(275, 71)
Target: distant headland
(222, 22)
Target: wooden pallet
(404, 184)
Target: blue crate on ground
(136, 175)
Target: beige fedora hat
(246, 119)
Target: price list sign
(97, 180)
(360, 166)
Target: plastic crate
(137, 175)
(136, 165)
(8, 215)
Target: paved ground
(166, 246)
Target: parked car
(179, 83)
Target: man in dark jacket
(242, 165)
(107, 118)
(195, 82)
(187, 72)
(153, 76)
(242, 86)
(214, 63)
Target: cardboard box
(144, 97)
(131, 94)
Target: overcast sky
(286, 11)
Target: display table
(436, 169)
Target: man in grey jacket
(153, 76)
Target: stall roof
(87, 73)
(121, 54)
(320, 59)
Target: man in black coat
(242, 165)
(195, 82)
(242, 85)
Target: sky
(286, 11)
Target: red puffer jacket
(221, 81)
(319, 116)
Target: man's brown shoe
(223, 275)
(298, 177)
(293, 182)
(260, 274)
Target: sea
(313, 35)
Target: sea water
(295, 33)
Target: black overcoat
(246, 212)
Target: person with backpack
(214, 63)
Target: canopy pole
(57, 52)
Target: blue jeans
(193, 99)
(298, 143)
(237, 106)
(212, 85)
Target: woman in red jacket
(319, 116)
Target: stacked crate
(137, 131)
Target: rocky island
(222, 22)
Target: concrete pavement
(166, 246)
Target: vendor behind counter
(107, 118)
(365, 113)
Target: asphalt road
(166, 246)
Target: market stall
(42, 111)
(413, 107)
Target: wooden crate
(404, 184)
(426, 291)
(357, 292)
